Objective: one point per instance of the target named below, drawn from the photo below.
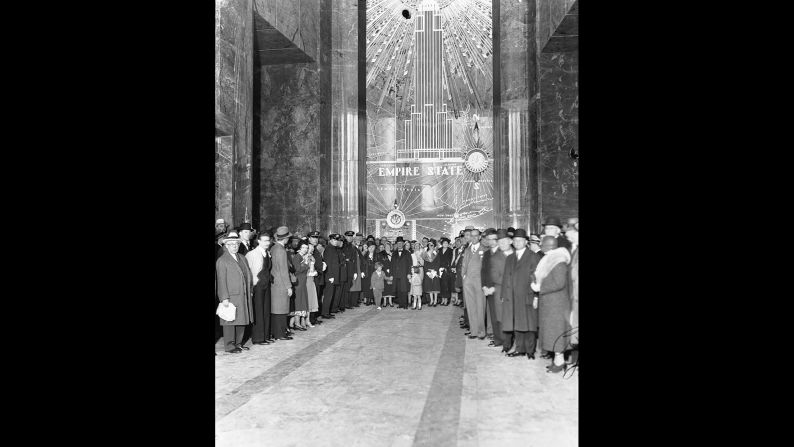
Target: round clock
(476, 161)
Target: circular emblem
(395, 218)
(476, 161)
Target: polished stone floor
(390, 377)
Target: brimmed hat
(489, 232)
(359, 235)
(350, 233)
(232, 236)
(245, 226)
(534, 238)
(501, 234)
(314, 233)
(334, 236)
(220, 221)
(282, 232)
(553, 221)
(399, 239)
(520, 233)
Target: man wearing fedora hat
(245, 231)
(332, 258)
(519, 312)
(281, 289)
(553, 227)
(401, 264)
(493, 267)
(471, 270)
(234, 283)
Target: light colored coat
(234, 283)
(279, 299)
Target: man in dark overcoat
(332, 288)
(519, 310)
(281, 289)
(401, 264)
(493, 268)
(234, 283)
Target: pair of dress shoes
(518, 354)
(554, 369)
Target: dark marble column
(513, 126)
(233, 108)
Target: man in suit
(260, 262)
(400, 269)
(493, 267)
(350, 255)
(519, 308)
(332, 289)
(472, 286)
(281, 289)
(553, 227)
(233, 282)
(314, 239)
(245, 236)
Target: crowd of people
(518, 290)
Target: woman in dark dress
(389, 289)
(301, 314)
(447, 278)
(368, 268)
(431, 284)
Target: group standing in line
(519, 290)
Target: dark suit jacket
(517, 295)
(333, 263)
(401, 264)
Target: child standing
(377, 282)
(416, 287)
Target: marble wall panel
(296, 19)
(558, 134)
(290, 163)
(234, 102)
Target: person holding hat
(554, 306)
(281, 289)
(234, 283)
(471, 270)
(552, 227)
(400, 270)
(445, 275)
(519, 313)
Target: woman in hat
(311, 287)
(389, 289)
(301, 264)
(446, 277)
(431, 284)
(369, 259)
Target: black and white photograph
(396, 223)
